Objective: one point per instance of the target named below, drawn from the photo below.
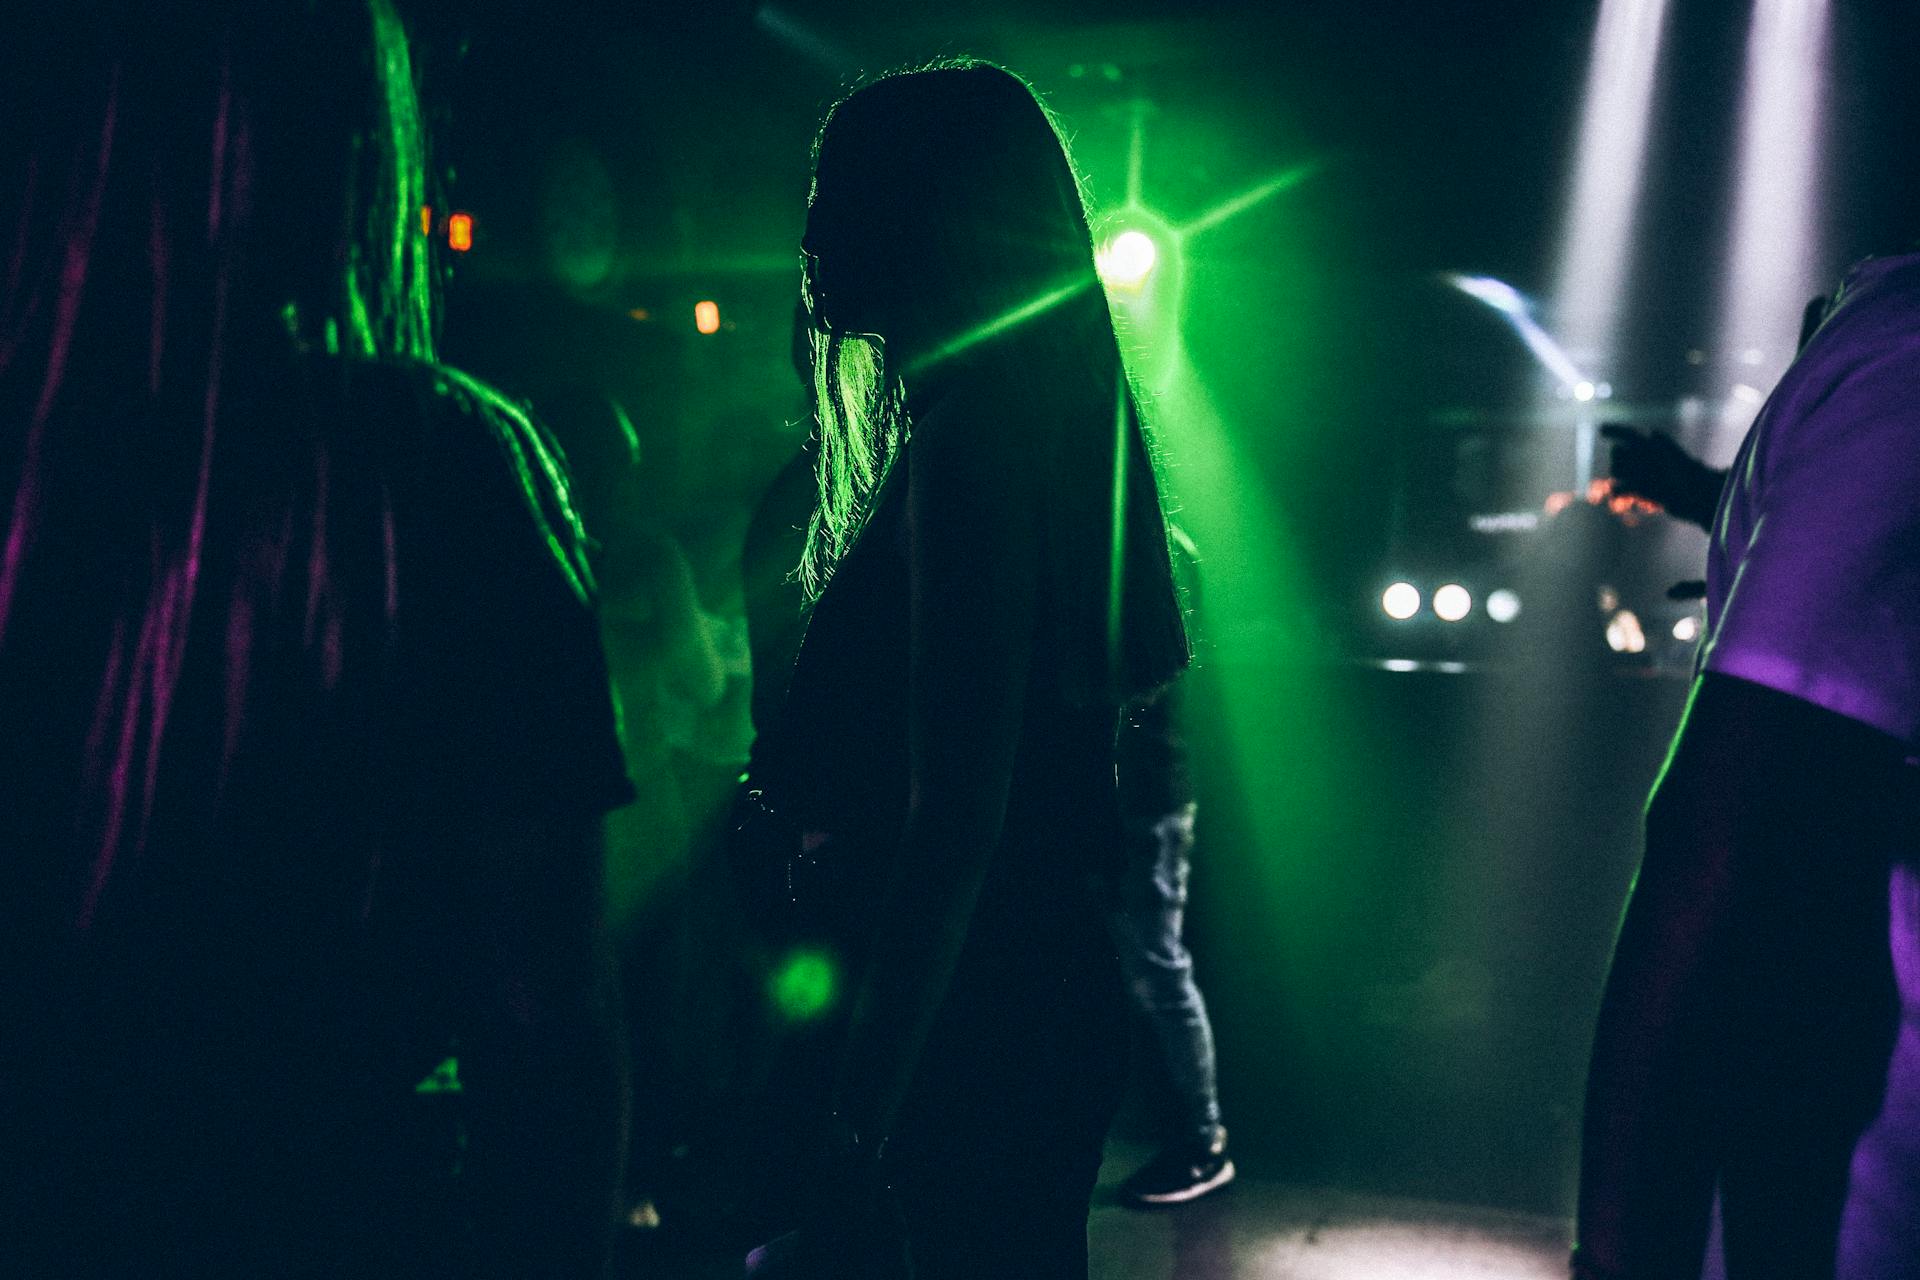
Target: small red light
(460, 232)
(426, 219)
(706, 317)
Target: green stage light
(1127, 260)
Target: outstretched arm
(973, 517)
(1748, 1016)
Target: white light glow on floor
(1387, 1250)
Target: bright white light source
(1687, 630)
(1624, 634)
(1127, 260)
(1503, 605)
(1452, 602)
(1400, 601)
(1584, 391)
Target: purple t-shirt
(1813, 588)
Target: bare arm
(974, 545)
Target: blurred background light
(1624, 634)
(706, 316)
(1687, 629)
(1508, 301)
(1775, 260)
(1503, 605)
(805, 986)
(1609, 169)
(460, 232)
(1400, 601)
(1452, 602)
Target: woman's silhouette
(991, 569)
(303, 719)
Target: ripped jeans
(1146, 930)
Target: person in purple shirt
(1759, 1036)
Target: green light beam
(1117, 548)
(1136, 152)
(1006, 320)
(1247, 199)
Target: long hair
(194, 199)
(187, 194)
(973, 209)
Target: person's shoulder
(1876, 309)
(1864, 355)
(493, 444)
(449, 406)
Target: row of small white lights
(1451, 603)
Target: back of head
(956, 180)
(946, 208)
(193, 198)
(190, 194)
(174, 175)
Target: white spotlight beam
(1775, 256)
(1606, 186)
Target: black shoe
(1180, 1173)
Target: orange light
(460, 232)
(706, 317)
(426, 219)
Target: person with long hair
(304, 724)
(992, 583)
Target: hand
(1650, 465)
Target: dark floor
(1256, 1229)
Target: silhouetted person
(1745, 1035)
(1157, 811)
(947, 747)
(304, 725)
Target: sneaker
(1180, 1173)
